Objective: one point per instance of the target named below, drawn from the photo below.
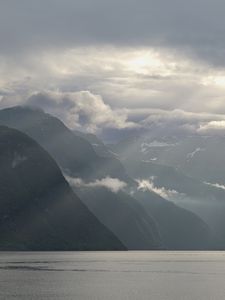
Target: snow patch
(145, 147)
(17, 160)
(192, 154)
(114, 153)
(150, 160)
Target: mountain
(180, 229)
(172, 179)
(144, 220)
(161, 163)
(38, 209)
(176, 228)
(198, 156)
(78, 160)
(205, 200)
(124, 216)
(74, 155)
(99, 147)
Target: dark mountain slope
(38, 210)
(179, 228)
(124, 216)
(99, 147)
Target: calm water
(113, 275)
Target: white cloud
(217, 185)
(81, 110)
(148, 184)
(213, 127)
(113, 184)
(146, 77)
(92, 88)
(181, 122)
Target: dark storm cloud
(198, 26)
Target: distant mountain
(38, 209)
(201, 157)
(99, 147)
(205, 200)
(164, 163)
(171, 178)
(124, 216)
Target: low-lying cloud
(213, 128)
(113, 184)
(148, 185)
(80, 110)
(180, 122)
(88, 112)
(217, 185)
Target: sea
(132, 275)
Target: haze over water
(112, 275)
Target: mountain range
(145, 201)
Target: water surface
(112, 275)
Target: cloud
(125, 77)
(180, 122)
(194, 25)
(213, 128)
(217, 185)
(118, 56)
(131, 78)
(179, 116)
(113, 184)
(81, 110)
(148, 184)
(86, 111)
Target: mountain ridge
(38, 210)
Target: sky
(115, 67)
